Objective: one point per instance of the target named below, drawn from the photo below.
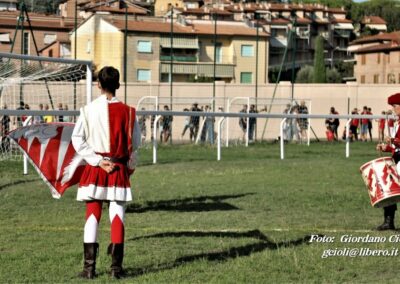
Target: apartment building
(101, 39)
(306, 21)
(378, 58)
(46, 30)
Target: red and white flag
(49, 148)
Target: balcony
(200, 69)
(179, 58)
(343, 33)
(303, 33)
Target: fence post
(26, 122)
(219, 138)
(155, 138)
(282, 140)
(348, 138)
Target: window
(49, 38)
(26, 43)
(363, 59)
(50, 53)
(376, 78)
(144, 46)
(5, 38)
(391, 78)
(388, 57)
(378, 58)
(362, 79)
(247, 51)
(143, 75)
(246, 77)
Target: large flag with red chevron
(49, 148)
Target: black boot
(388, 223)
(117, 254)
(89, 264)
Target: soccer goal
(39, 83)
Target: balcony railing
(200, 69)
(343, 33)
(179, 58)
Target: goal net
(39, 83)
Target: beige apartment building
(101, 39)
(378, 58)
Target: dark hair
(109, 79)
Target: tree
(43, 6)
(305, 75)
(333, 76)
(319, 61)
(389, 10)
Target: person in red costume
(106, 136)
(391, 144)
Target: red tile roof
(342, 21)
(131, 10)
(303, 21)
(393, 36)
(280, 21)
(373, 20)
(379, 48)
(206, 28)
(202, 11)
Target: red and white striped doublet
(106, 129)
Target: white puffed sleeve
(81, 146)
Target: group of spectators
(192, 123)
(5, 121)
(252, 123)
(295, 128)
(360, 129)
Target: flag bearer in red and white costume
(392, 144)
(107, 136)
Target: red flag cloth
(49, 148)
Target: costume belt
(122, 160)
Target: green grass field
(245, 219)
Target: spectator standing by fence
(166, 124)
(142, 124)
(370, 124)
(354, 125)
(186, 124)
(243, 122)
(194, 123)
(38, 118)
(332, 124)
(252, 123)
(60, 117)
(381, 128)
(364, 125)
(303, 122)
